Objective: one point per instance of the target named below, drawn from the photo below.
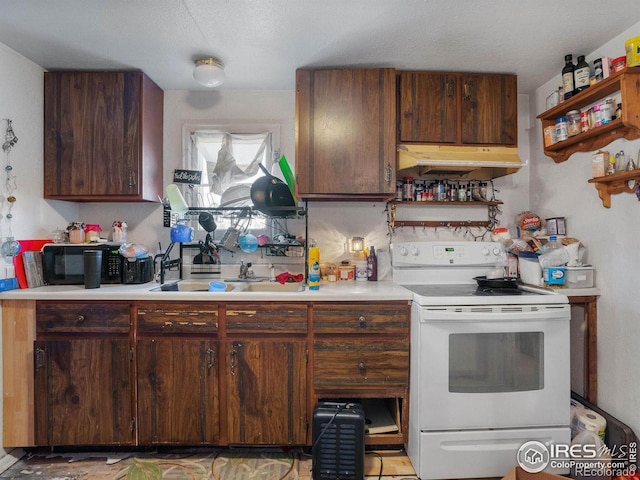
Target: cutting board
(18, 260)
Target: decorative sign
(187, 176)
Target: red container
(619, 63)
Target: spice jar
(561, 129)
(76, 232)
(573, 123)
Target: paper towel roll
(576, 407)
(591, 421)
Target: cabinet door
(489, 109)
(267, 392)
(177, 391)
(428, 107)
(83, 392)
(99, 143)
(345, 132)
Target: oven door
(493, 366)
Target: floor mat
(192, 464)
(199, 464)
(250, 465)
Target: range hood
(468, 162)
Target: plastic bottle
(176, 200)
(553, 259)
(568, 84)
(581, 74)
(314, 268)
(611, 166)
(372, 265)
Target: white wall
(611, 237)
(21, 101)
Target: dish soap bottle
(372, 265)
(313, 270)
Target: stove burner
(488, 292)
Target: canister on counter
(556, 226)
(347, 271)
(92, 232)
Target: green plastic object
(288, 175)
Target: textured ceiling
(262, 42)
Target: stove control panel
(424, 254)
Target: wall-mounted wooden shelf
(627, 83)
(393, 223)
(447, 204)
(616, 183)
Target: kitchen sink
(272, 287)
(235, 287)
(188, 286)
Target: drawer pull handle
(210, 358)
(40, 354)
(81, 318)
(362, 366)
(362, 321)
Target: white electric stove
(489, 369)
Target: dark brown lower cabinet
(177, 391)
(210, 373)
(267, 392)
(83, 392)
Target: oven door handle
(494, 314)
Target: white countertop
(345, 291)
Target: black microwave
(63, 264)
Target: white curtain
(224, 169)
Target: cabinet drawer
(189, 318)
(388, 317)
(56, 317)
(362, 362)
(272, 318)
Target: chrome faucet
(244, 270)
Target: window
(228, 157)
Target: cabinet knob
(80, 318)
(468, 90)
(132, 179)
(362, 366)
(362, 321)
(449, 88)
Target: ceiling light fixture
(209, 72)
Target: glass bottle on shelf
(568, 84)
(581, 74)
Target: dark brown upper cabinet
(458, 108)
(102, 137)
(345, 133)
